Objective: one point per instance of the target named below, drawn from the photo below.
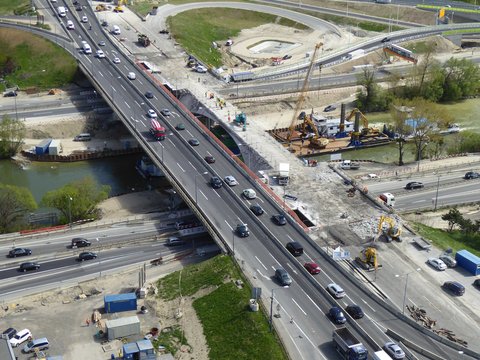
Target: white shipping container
(55, 147)
(118, 328)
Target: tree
(15, 202)
(462, 78)
(372, 97)
(12, 134)
(454, 217)
(77, 199)
(400, 127)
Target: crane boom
(301, 98)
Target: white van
(87, 49)
(116, 30)
(62, 12)
(132, 76)
(70, 25)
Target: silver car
(394, 350)
(437, 264)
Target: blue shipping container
(42, 147)
(468, 261)
(120, 302)
(129, 350)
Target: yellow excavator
(388, 228)
(367, 259)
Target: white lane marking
(125, 66)
(368, 305)
(308, 256)
(201, 192)
(114, 89)
(101, 74)
(431, 303)
(110, 73)
(171, 142)
(418, 201)
(274, 259)
(261, 262)
(304, 313)
(192, 165)
(180, 167)
(89, 60)
(136, 102)
(226, 222)
(189, 133)
(144, 118)
(123, 88)
(311, 300)
(216, 192)
(127, 104)
(290, 266)
(412, 302)
(290, 238)
(264, 276)
(140, 81)
(260, 200)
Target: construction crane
(301, 98)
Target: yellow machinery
(101, 7)
(119, 7)
(316, 141)
(388, 228)
(366, 131)
(368, 259)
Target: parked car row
(17, 338)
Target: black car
(330, 108)
(9, 333)
(29, 266)
(385, 39)
(209, 159)
(216, 182)
(414, 185)
(149, 95)
(336, 314)
(87, 256)
(279, 219)
(295, 248)
(19, 252)
(355, 311)
(257, 209)
(194, 142)
(454, 287)
(477, 283)
(471, 175)
(286, 57)
(79, 8)
(242, 230)
(80, 242)
(104, 23)
(180, 126)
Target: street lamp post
(271, 305)
(436, 195)
(196, 192)
(406, 285)
(70, 211)
(233, 242)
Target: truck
(283, 173)
(348, 346)
(381, 355)
(388, 199)
(349, 165)
(157, 130)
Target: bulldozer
(143, 40)
(101, 7)
(367, 259)
(389, 229)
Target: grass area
(364, 25)
(172, 340)
(231, 329)
(455, 240)
(456, 9)
(195, 30)
(9, 7)
(34, 61)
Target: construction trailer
(119, 328)
(468, 261)
(120, 302)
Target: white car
(116, 60)
(335, 290)
(100, 54)
(20, 337)
(437, 264)
(201, 69)
(230, 180)
(152, 113)
(249, 194)
(132, 76)
(70, 25)
(84, 19)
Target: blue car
(336, 314)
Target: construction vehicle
(368, 259)
(348, 346)
(157, 130)
(101, 7)
(349, 165)
(388, 228)
(143, 40)
(119, 7)
(364, 132)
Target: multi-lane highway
(308, 333)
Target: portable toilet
(146, 350)
(129, 351)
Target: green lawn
(35, 62)
(454, 240)
(231, 329)
(9, 7)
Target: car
(448, 260)
(36, 345)
(116, 60)
(279, 219)
(152, 114)
(414, 185)
(312, 268)
(201, 69)
(471, 175)
(209, 159)
(165, 112)
(131, 75)
(80, 242)
(20, 337)
(181, 126)
(282, 276)
(9, 333)
(88, 255)
(330, 108)
(70, 25)
(394, 350)
(175, 241)
(242, 230)
(149, 95)
(286, 57)
(79, 8)
(10, 93)
(100, 54)
(216, 182)
(257, 209)
(336, 314)
(194, 142)
(476, 283)
(454, 287)
(335, 290)
(249, 194)
(75, 2)
(29, 266)
(84, 19)
(230, 180)
(104, 23)
(355, 311)
(19, 252)
(102, 43)
(294, 248)
(385, 39)
(437, 264)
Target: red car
(209, 159)
(312, 268)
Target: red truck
(157, 130)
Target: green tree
(462, 78)
(454, 217)
(372, 97)
(467, 142)
(78, 199)
(15, 202)
(400, 114)
(12, 134)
